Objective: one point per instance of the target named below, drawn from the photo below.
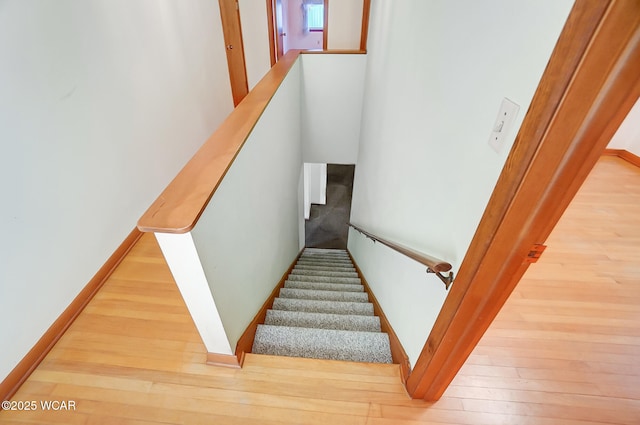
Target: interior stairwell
(323, 312)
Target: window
(315, 17)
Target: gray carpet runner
(323, 312)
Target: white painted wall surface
(398, 279)
(315, 186)
(255, 37)
(345, 24)
(628, 135)
(102, 102)
(319, 187)
(248, 235)
(182, 258)
(333, 87)
(435, 80)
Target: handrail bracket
(447, 280)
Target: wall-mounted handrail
(182, 202)
(434, 265)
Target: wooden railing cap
(182, 202)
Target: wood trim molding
(334, 52)
(612, 152)
(364, 34)
(585, 93)
(224, 360)
(624, 154)
(272, 31)
(245, 343)
(398, 354)
(27, 365)
(325, 31)
(182, 202)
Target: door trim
(272, 30)
(589, 86)
(325, 29)
(364, 32)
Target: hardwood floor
(564, 350)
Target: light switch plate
(503, 123)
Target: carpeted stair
(323, 312)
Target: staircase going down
(323, 312)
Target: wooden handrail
(434, 265)
(182, 202)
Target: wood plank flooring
(564, 350)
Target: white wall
(248, 235)
(255, 37)
(315, 186)
(345, 24)
(102, 102)
(435, 80)
(628, 135)
(333, 87)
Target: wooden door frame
(271, 18)
(271, 23)
(325, 24)
(590, 84)
(364, 31)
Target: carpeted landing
(323, 312)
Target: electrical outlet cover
(503, 123)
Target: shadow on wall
(327, 225)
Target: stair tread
(325, 273)
(343, 269)
(322, 344)
(322, 320)
(325, 258)
(327, 279)
(348, 287)
(319, 306)
(311, 249)
(315, 294)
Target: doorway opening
(298, 24)
(326, 226)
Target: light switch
(504, 121)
